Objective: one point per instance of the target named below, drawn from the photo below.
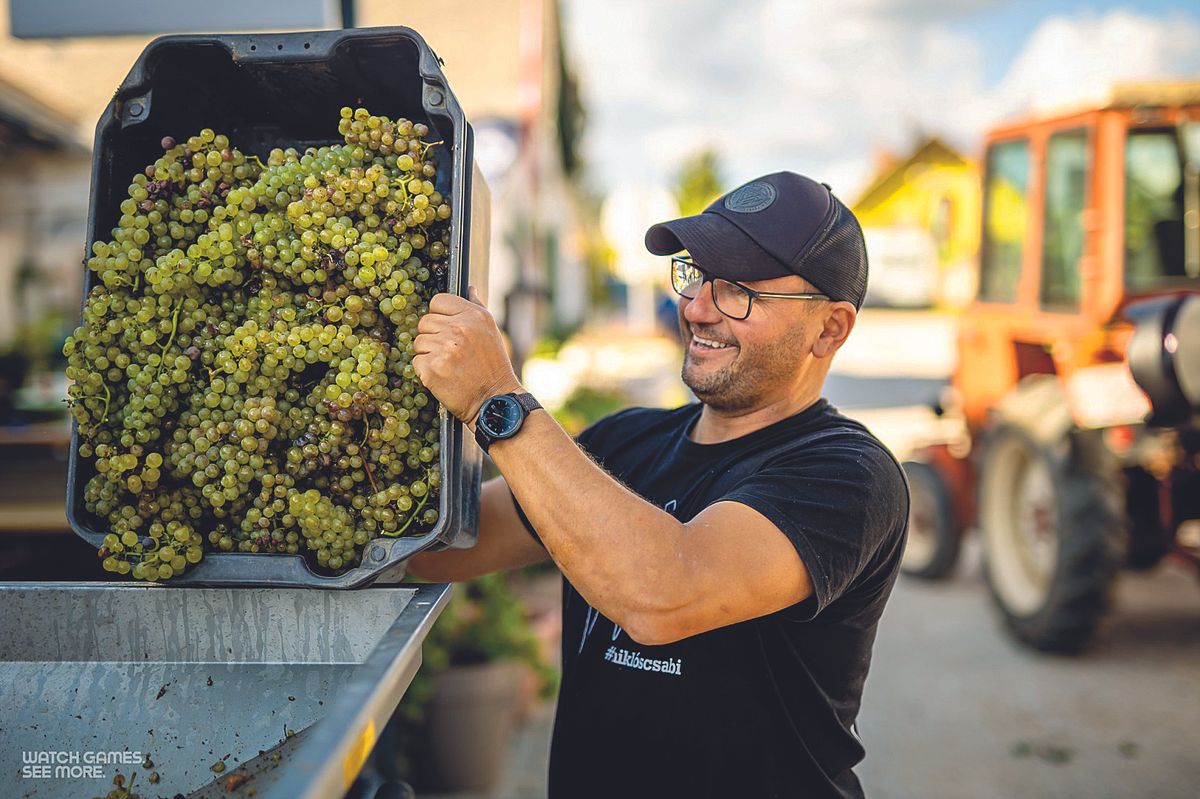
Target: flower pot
(471, 719)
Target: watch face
(501, 416)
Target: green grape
(242, 373)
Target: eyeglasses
(731, 298)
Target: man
(725, 563)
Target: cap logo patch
(751, 198)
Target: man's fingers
(449, 304)
(432, 323)
(422, 344)
(418, 365)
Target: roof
(1162, 93)
(25, 119)
(486, 50)
(1149, 94)
(930, 151)
(71, 79)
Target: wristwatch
(502, 416)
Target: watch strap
(526, 401)
(482, 438)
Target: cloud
(769, 84)
(819, 86)
(1071, 60)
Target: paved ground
(953, 708)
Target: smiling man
(724, 564)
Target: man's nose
(702, 309)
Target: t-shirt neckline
(694, 449)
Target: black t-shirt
(765, 707)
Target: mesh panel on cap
(837, 264)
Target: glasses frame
(753, 294)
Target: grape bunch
(242, 378)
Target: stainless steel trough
(92, 673)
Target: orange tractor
(1078, 374)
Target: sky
(821, 86)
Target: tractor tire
(1052, 522)
(931, 552)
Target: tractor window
(1062, 232)
(1153, 209)
(1005, 202)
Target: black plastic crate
(285, 90)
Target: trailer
(279, 693)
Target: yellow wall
(917, 202)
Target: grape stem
(370, 474)
(413, 516)
(162, 358)
(107, 400)
(407, 204)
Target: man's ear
(839, 318)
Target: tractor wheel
(1053, 530)
(931, 552)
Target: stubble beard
(743, 383)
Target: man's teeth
(716, 345)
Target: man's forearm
(624, 555)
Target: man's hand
(460, 355)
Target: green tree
(698, 182)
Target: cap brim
(717, 245)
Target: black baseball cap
(779, 224)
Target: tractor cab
(1084, 213)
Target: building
(506, 64)
(920, 216)
(42, 213)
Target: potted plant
(462, 706)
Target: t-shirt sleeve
(524, 519)
(840, 505)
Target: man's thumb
(473, 296)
